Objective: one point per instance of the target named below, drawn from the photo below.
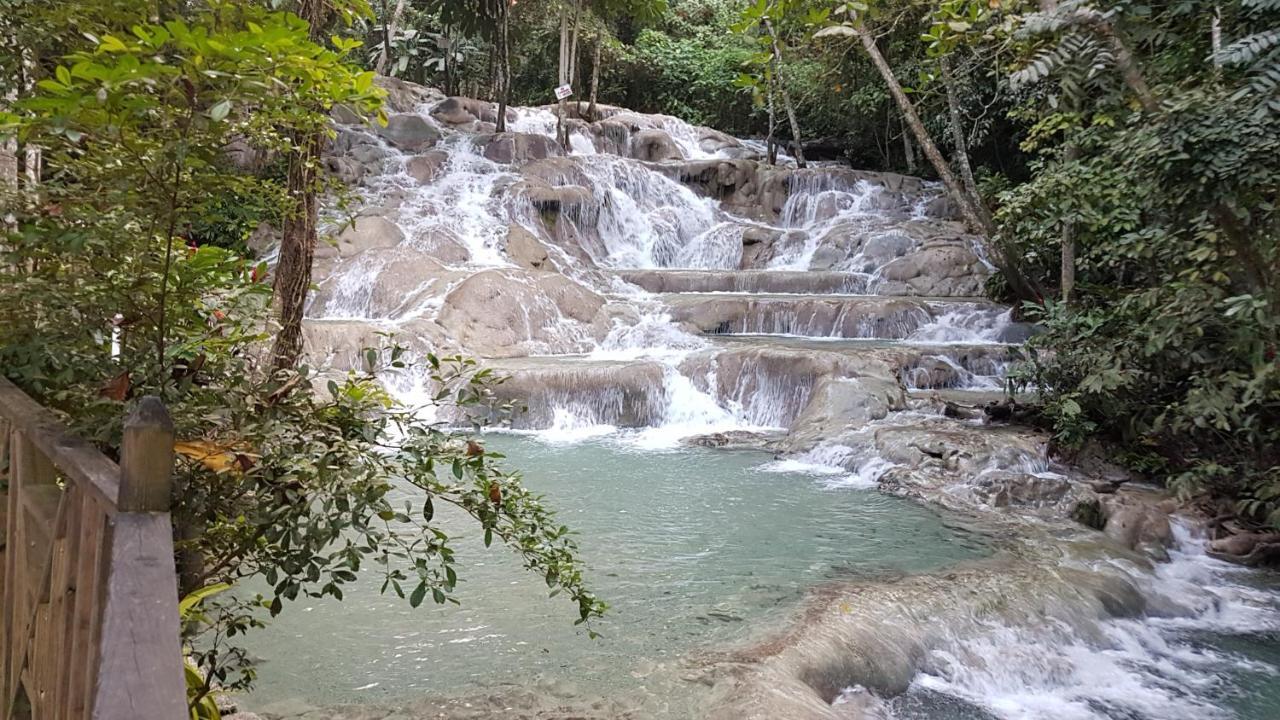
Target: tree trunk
(1004, 260)
(1215, 37)
(595, 78)
(448, 62)
(1070, 154)
(786, 97)
(908, 151)
(297, 251)
(960, 144)
(389, 34)
(771, 145)
(386, 41)
(298, 234)
(949, 181)
(563, 72)
(503, 62)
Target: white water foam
(832, 464)
(1156, 667)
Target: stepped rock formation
(657, 274)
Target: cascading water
(761, 334)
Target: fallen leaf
(214, 456)
(117, 388)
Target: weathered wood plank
(73, 456)
(63, 594)
(90, 572)
(140, 667)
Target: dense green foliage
(124, 276)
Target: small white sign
(563, 92)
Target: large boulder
(937, 270)
(555, 199)
(610, 136)
(1138, 522)
(837, 402)
(517, 148)
(426, 167)
(411, 133)
(467, 113)
(404, 96)
(504, 313)
(654, 145)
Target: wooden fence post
(146, 458)
(140, 666)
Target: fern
(1260, 5)
(1078, 61)
(1250, 48)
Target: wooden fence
(90, 610)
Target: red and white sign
(563, 92)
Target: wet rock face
(654, 145)
(935, 270)
(629, 395)
(470, 114)
(409, 132)
(370, 232)
(846, 317)
(518, 148)
(428, 166)
(526, 250)
(505, 313)
(404, 96)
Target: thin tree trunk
(1070, 154)
(960, 144)
(503, 63)
(563, 75)
(1215, 37)
(908, 151)
(391, 26)
(573, 41)
(449, 88)
(298, 233)
(386, 41)
(1003, 259)
(786, 97)
(297, 251)
(771, 145)
(595, 78)
(953, 186)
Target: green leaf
(836, 31)
(219, 112)
(195, 597)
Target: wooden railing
(90, 614)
